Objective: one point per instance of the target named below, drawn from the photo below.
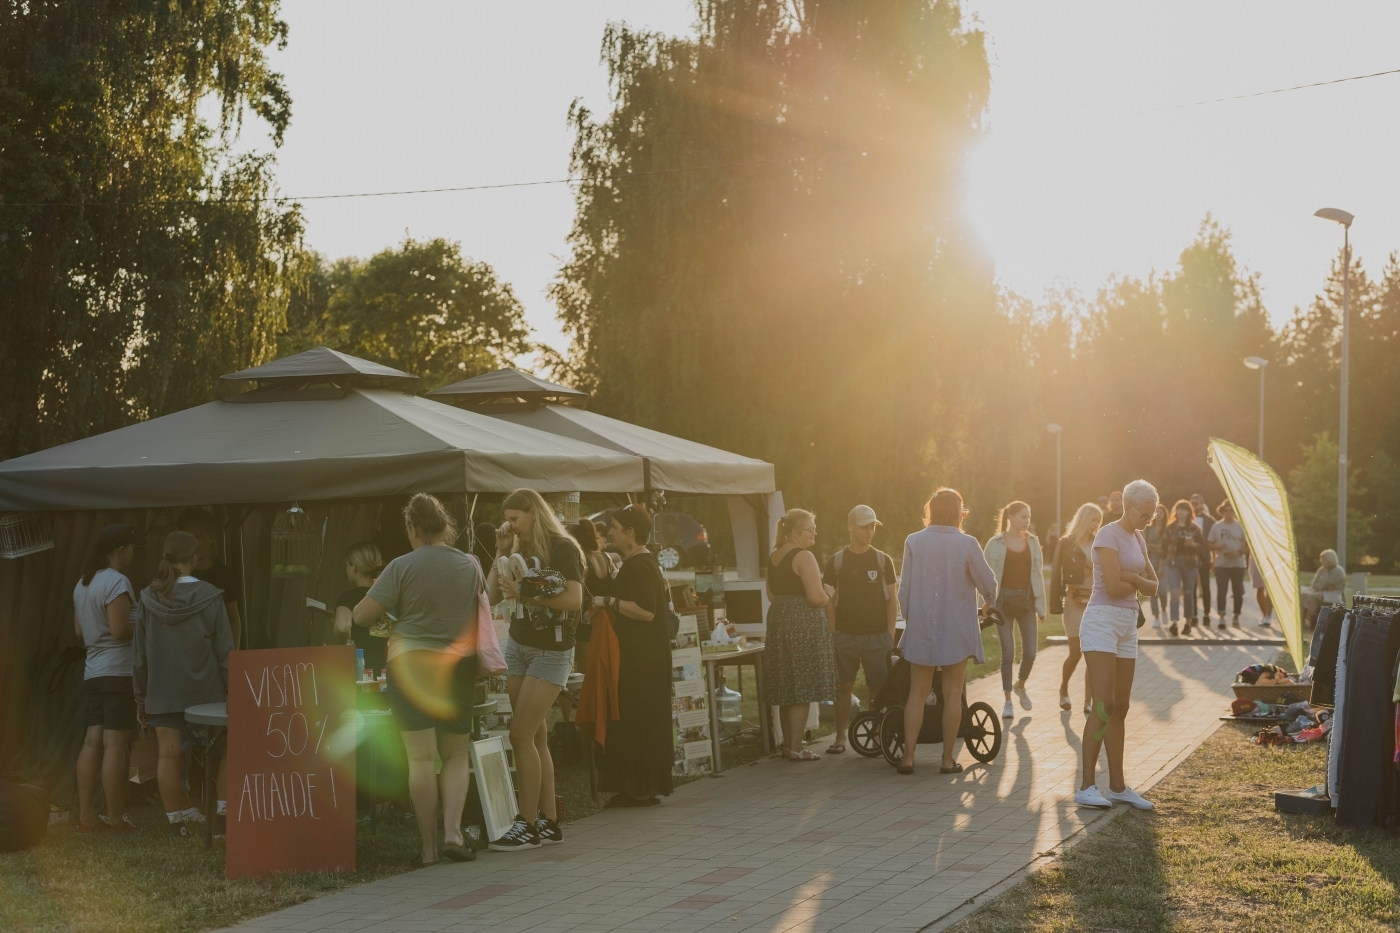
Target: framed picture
(492, 772)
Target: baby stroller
(880, 731)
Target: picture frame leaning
(491, 769)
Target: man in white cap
(862, 614)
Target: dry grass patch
(1215, 855)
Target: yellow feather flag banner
(1261, 503)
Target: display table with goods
(722, 708)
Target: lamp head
(1255, 362)
(1334, 214)
(1053, 428)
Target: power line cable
(1283, 90)
(384, 194)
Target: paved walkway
(840, 844)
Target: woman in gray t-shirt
(431, 594)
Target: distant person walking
(799, 662)
(539, 654)
(639, 755)
(179, 659)
(1071, 584)
(1014, 555)
(943, 571)
(432, 594)
(102, 605)
(1114, 510)
(1182, 561)
(862, 614)
(1108, 636)
(1205, 522)
(1226, 543)
(1155, 535)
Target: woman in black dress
(638, 757)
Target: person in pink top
(1108, 638)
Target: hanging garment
(1368, 719)
(1327, 637)
(1339, 731)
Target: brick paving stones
(841, 844)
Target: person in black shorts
(102, 603)
(862, 614)
(432, 594)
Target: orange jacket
(597, 699)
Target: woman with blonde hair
(1108, 637)
(539, 652)
(944, 570)
(431, 592)
(1071, 583)
(799, 661)
(1014, 555)
(362, 566)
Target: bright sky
(1080, 176)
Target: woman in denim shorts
(539, 656)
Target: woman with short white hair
(1108, 638)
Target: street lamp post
(1258, 362)
(1345, 219)
(1056, 430)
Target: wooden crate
(1273, 693)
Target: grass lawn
(153, 883)
(1215, 855)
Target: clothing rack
(1388, 603)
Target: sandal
(1065, 703)
(955, 769)
(835, 748)
(803, 755)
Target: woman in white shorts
(1108, 638)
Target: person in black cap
(102, 603)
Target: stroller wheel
(892, 735)
(864, 734)
(981, 732)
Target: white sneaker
(1023, 696)
(1157, 623)
(1008, 712)
(1131, 797)
(1090, 797)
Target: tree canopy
(421, 308)
(140, 256)
(769, 253)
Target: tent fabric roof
(321, 364)
(677, 465)
(504, 384)
(370, 442)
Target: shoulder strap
(837, 559)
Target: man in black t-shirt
(862, 614)
(201, 524)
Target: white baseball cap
(862, 515)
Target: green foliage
(1312, 498)
(421, 308)
(814, 297)
(1383, 481)
(139, 257)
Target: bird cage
(296, 544)
(24, 533)
(565, 505)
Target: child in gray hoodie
(179, 659)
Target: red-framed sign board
(291, 760)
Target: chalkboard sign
(291, 760)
